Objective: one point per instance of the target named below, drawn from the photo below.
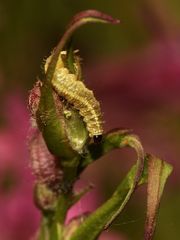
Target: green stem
(52, 224)
(63, 205)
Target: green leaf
(51, 123)
(109, 142)
(97, 221)
(120, 139)
(105, 215)
(158, 172)
(84, 17)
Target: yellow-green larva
(76, 93)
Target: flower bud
(61, 125)
(45, 166)
(44, 198)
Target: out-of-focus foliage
(30, 29)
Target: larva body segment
(68, 86)
(75, 92)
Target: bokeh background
(134, 70)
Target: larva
(76, 93)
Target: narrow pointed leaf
(97, 221)
(88, 16)
(106, 214)
(158, 172)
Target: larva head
(60, 63)
(63, 62)
(97, 139)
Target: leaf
(119, 139)
(109, 142)
(113, 140)
(97, 221)
(158, 172)
(105, 215)
(51, 123)
(84, 17)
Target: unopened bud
(45, 166)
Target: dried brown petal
(34, 98)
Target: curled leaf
(105, 215)
(93, 15)
(93, 225)
(133, 142)
(88, 16)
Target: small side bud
(44, 165)
(44, 198)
